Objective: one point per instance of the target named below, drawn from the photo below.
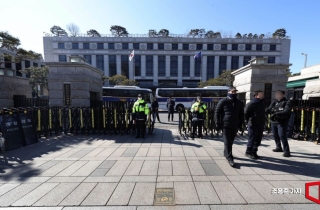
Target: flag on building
(131, 55)
(198, 55)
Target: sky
(28, 19)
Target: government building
(165, 62)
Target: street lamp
(305, 59)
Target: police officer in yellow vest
(140, 111)
(198, 111)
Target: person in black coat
(170, 106)
(254, 114)
(155, 110)
(229, 117)
(280, 111)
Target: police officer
(170, 106)
(229, 117)
(254, 114)
(280, 111)
(140, 110)
(198, 111)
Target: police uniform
(140, 110)
(198, 111)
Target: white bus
(185, 97)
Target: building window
(86, 46)
(75, 45)
(222, 64)
(234, 46)
(234, 62)
(136, 46)
(35, 64)
(111, 46)
(113, 65)
(18, 68)
(100, 62)
(88, 58)
(100, 46)
(273, 47)
(224, 46)
(173, 66)
(246, 60)
(248, 46)
(160, 46)
(185, 46)
(161, 65)
(199, 46)
(210, 47)
(60, 45)
(197, 67)
(174, 46)
(271, 59)
(186, 66)
(125, 46)
(150, 46)
(210, 67)
(62, 58)
(149, 65)
(259, 47)
(125, 65)
(27, 65)
(137, 65)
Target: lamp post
(305, 59)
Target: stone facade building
(166, 62)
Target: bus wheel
(179, 106)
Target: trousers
(255, 137)
(197, 124)
(141, 128)
(228, 135)
(279, 131)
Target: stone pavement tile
(172, 158)
(308, 178)
(201, 152)
(60, 179)
(107, 164)
(165, 168)
(189, 152)
(248, 192)
(227, 193)
(149, 168)
(280, 177)
(177, 152)
(245, 178)
(212, 152)
(134, 168)
(32, 179)
(107, 152)
(72, 168)
(301, 206)
(247, 207)
(76, 197)
(130, 152)
(142, 152)
(139, 179)
(212, 170)
(199, 158)
(154, 152)
(118, 152)
(103, 179)
(121, 195)
(17, 193)
(80, 154)
(210, 178)
(101, 208)
(55, 196)
(32, 208)
(195, 168)
(94, 152)
(54, 170)
(143, 194)
(35, 195)
(180, 207)
(165, 152)
(174, 179)
(185, 193)
(69, 153)
(118, 168)
(225, 167)
(87, 169)
(265, 189)
(40, 169)
(206, 193)
(7, 187)
(100, 194)
(164, 185)
(180, 168)
(100, 172)
(207, 161)
(146, 158)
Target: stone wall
(312, 89)
(83, 79)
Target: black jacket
(229, 113)
(254, 113)
(280, 111)
(170, 106)
(155, 106)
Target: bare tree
(73, 29)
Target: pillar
(155, 70)
(191, 66)
(179, 70)
(228, 63)
(143, 65)
(240, 61)
(167, 65)
(94, 60)
(204, 68)
(216, 66)
(118, 60)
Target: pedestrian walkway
(121, 172)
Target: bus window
(181, 93)
(210, 93)
(223, 93)
(194, 93)
(169, 93)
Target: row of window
(136, 46)
(162, 64)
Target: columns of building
(167, 65)
(216, 66)
(94, 60)
(204, 68)
(179, 70)
(228, 63)
(13, 67)
(155, 70)
(241, 61)
(106, 65)
(143, 66)
(23, 66)
(131, 68)
(118, 57)
(191, 66)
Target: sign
(67, 94)
(164, 196)
(308, 196)
(12, 131)
(267, 93)
(28, 128)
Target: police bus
(126, 94)
(184, 97)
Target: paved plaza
(121, 173)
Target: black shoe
(137, 137)
(231, 163)
(277, 150)
(200, 137)
(250, 156)
(286, 154)
(159, 121)
(255, 155)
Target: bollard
(313, 124)
(302, 122)
(115, 120)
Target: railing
(30, 102)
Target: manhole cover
(164, 196)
